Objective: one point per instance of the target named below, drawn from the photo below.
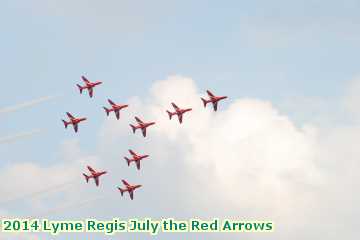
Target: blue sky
(277, 51)
(272, 51)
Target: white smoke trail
(42, 192)
(26, 104)
(13, 138)
(75, 205)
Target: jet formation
(116, 108)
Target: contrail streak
(15, 137)
(26, 104)
(75, 205)
(42, 192)
(12, 138)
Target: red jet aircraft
(73, 121)
(213, 99)
(142, 125)
(136, 158)
(94, 174)
(129, 188)
(88, 85)
(178, 111)
(115, 108)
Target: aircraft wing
(132, 152)
(75, 127)
(97, 181)
(69, 115)
(215, 104)
(138, 120)
(111, 102)
(143, 132)
(175, 107)
(125, 183)
(210, 93)
(138, 164)
(91, 170)
(117, 113)
(180, 116)
(91, 92)
(85, 79)
(131, 193)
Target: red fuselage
(182, 111)
(144, 125)
(117, 107)
(92, 84)
(213, 99)
(77, 120)
(217, 99)
(131, 188)
(178, 111)
(97, 174)
(141, 125)
(88, 85)
(138, 158)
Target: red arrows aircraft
(88, 85)
(73, 121)
(115, 108)
(136, 158)
(142, 125)
(213, 99)
(129, 188)
(94, 174)
(178, 111)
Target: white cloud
(352, 97)
(245, 161)
(238, 155)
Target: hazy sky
(295, 62)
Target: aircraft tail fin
(86, 177)
(65, 123)
(107, 111)
(204, 101)
(133, 128)
(121, 191)
(169, 113)
(127, 160)
(80, 88)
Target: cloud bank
(247, 161)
